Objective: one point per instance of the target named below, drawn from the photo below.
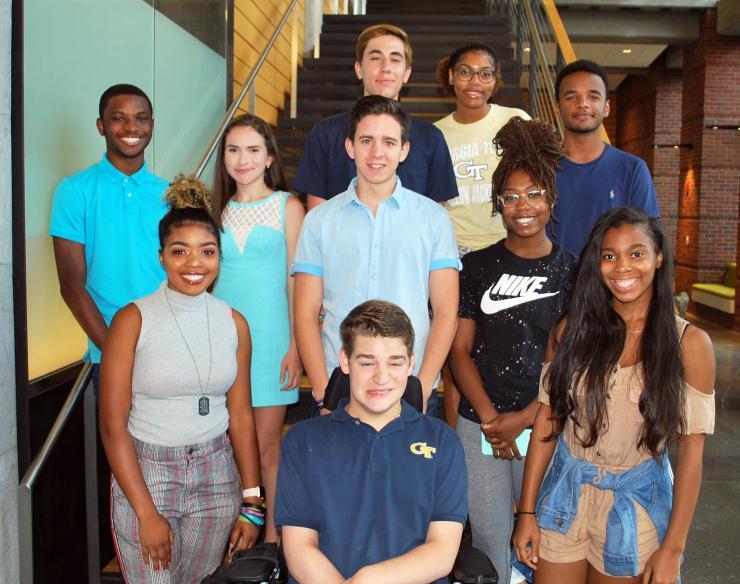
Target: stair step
(327, 107)
(430, 52)
(306, 121)
(353, 91)
(483, 25)
(404, 20)
(320, 77)
(423, 7)
(420, 41)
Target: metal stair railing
(248, 87)
(543, 47)
(26, 486)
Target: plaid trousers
(197, 489)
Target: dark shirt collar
(408, 414)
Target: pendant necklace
(204, 406)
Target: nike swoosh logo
(489, 306)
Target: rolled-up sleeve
(308, 255)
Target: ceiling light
(626, 51)
(526, 49)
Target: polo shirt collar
(398, 196)
(408, 414)
(115, 175)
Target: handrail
(25, 489)
(247, 86)
(539, 30)
(548, 107)
(562, 38)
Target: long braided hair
(532, 145)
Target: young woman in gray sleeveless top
(175, 412)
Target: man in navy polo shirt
(104, 220)
(375, 491)
(383, 64)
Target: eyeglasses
(466, 74)
(532, 198)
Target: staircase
(328, 85)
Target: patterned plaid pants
(197, 489)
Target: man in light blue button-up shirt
(377, 240)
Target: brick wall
(649, 114)
(709, 171)
(667, 129)
(636, 118)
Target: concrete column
(709, 176)
(8, 437)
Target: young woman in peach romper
(624, 379)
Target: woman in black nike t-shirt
(511, 294)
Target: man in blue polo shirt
(383, 64)
(104, 220)
(375, 491)
(376, 240)
(593, 176)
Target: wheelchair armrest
(474, 567)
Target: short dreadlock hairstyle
(532, 145)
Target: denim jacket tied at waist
(649, 484)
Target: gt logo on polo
(421, 449)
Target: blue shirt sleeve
(68, 212)
(312, 176)
(642, 190)
(308, 254)
(451, 482)
(444, 250)
(442, 185)
(293, 501)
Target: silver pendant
(204, 406)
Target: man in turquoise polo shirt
(104, 220)
(376, 240)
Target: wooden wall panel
(254, 24)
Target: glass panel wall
(175, 51)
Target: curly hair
(190, 202)
(532, 145)
(449, 63)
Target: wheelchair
(265, 564)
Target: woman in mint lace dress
(261, 223)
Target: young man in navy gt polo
(383, 64)
(375, 491)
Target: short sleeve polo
(370, 495)
(116, 218)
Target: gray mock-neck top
(165, 386)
